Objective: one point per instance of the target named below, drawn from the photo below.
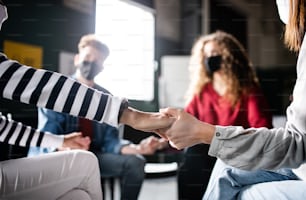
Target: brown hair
(240, 74)
(92, 40)
(295, 28)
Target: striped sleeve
(15, 133)
(56, 92)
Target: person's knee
(86, 159)
(136, 161)
(227, 178)
(136, 164)
(87, 155)
(75, 194)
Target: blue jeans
(229, 183)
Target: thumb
(75, 134)
(174, 112)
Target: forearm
(129, 116)
(145, 121)
(19, 134)
(259, 148)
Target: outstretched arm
(146, 121)
(59, 93)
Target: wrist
(123, 108)
(129, 117)
(206, 132)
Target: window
(128, 30)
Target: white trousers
(61, 175)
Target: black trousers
(194, 172)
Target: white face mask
(283, 10)
(3, 15)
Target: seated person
(224, 90)
(117, 157)
(245, 153)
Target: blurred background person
(224, 90)
(117, 157)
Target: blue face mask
(89, 69)
(213, 63)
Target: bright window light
(128, 31)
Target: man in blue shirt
(117, 157)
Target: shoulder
(102, 89)
(2, 57)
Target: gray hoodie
(262, 148)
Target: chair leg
(103, 187)
(111, 180)
(108, 188)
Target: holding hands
(149, 145)
(176, 125)
(75, 140)
(186, 130)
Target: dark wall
(225, 17)
(50, 25)
(277, 85)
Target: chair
(110, 188)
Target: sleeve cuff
(111, 114)
(51, 140)
(216, 143)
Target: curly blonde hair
(240, 75)
(295, 28)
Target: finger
(75, 134)
(162, 140)
(161, 133)
(172, 144)
(175, 145)
(87, 139)
(170, 111)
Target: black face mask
(213, 63)
(89, 69)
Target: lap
(280, 190)
(50, 175)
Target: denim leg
(226, 182)
(279, 190)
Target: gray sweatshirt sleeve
(268, 148)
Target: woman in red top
(224, 90)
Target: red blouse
(251, 111)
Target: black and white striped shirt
(53, 91)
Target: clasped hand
(185, 129)
(75, 140)
(175, 125)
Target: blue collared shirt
(105, 137)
